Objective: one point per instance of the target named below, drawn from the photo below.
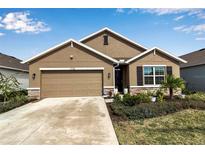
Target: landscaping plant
(172, 84)
(130, 106)
(8, 85)
(11, 95)
(160, 95)
(198, 96)
(143, 98)
(130, 100)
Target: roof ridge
(193, 52)
(10, 56)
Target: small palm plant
(172, 84)
(8, 85)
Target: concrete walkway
(74, 120)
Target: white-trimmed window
(153, 75)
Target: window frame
(154, 74)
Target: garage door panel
(71, 83)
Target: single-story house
(97, 65)
(193, 72)
(11, 66)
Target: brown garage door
(71, 83)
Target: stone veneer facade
(34, 93)
(136, 90)
(106, 91)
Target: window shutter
(139, 76)
(169, 70)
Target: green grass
(185, 127)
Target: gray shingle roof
(7, 61)
(194, 58)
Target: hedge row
(14, 102)
(150, 110)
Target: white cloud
(2, 34)
(128, 11)
(163, 11)
(179, 18)
(198, 29)
(120, 10)
(179, 27)
(199, 13)
(200, 39)
(20, 22)
(132, 11)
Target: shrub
(197, 105)
(19, 99)
(160, 96)
(14, 102)
(17, 93)
(117, 99)
(199, 96)
(129, 100)
(118, 108)
(8, 85)
(186, 91)
(1, 98)
(143, 98)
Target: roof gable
(66, 42)
(158, 49)
(115, 33)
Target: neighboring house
(12, 66)
(193, 72)
(98, 64)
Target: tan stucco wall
(152, 59)
(116, 48)
(61, 58)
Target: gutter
(12, 68)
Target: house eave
(66, 42)
(12, 68)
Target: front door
(119, 78)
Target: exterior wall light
(71, 57)
(33, 76)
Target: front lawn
(184, 127)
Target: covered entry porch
(122, 77)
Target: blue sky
(26, 32)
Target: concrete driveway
(74, 120)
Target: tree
(172, 84)
(8, 85)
